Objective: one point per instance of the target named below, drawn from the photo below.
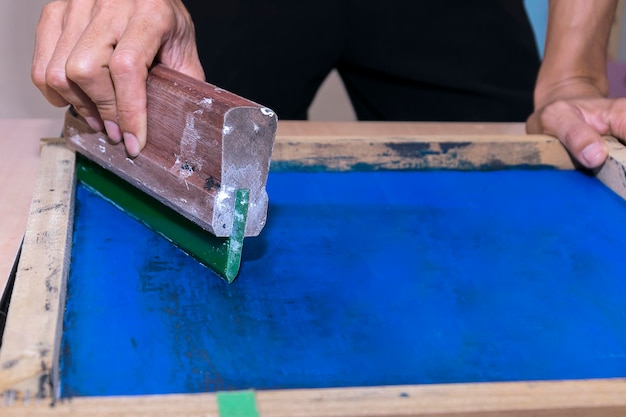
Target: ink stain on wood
(446, 146)
(412, 149)
(50, 208)
(10, 364)
(403, 155)
(188, 167)
(45, 383)
(211, 184)
(359, 279)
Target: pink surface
(18, 170)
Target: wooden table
(18, 170)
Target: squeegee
(201, 179)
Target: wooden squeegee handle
(203, 144)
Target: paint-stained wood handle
(204, 143)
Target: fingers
(47, 35)
(109, 63)
(87, 65)
(129, 64)
(585, 144)
(578, 126)
(75, 19)
(95, 55)
(148, 34)
(129, 76)
(616, 117)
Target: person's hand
(578, 114)
(95, 55)
(570, 93)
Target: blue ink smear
(359, 279)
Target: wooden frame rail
(29, 354)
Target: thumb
(584, 143)
(566, 121)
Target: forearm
(575, 56)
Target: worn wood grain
(203, 144)
(418, 151)
(613, 172)
(292, 129)
(595, 398)
(18, 172)
(413, 145)
(30, 348)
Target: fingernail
(132, 144)
(113, 130)
(594, 154)
(95, 123)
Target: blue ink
(359, 279)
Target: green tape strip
(237, 404)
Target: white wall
(20, 99)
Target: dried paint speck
(266, 111)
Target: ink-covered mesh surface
(359, 279)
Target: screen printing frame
(29, 355)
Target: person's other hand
(579, 114)
(95, 55)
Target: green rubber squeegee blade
(221, 254)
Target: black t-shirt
(443, 60)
